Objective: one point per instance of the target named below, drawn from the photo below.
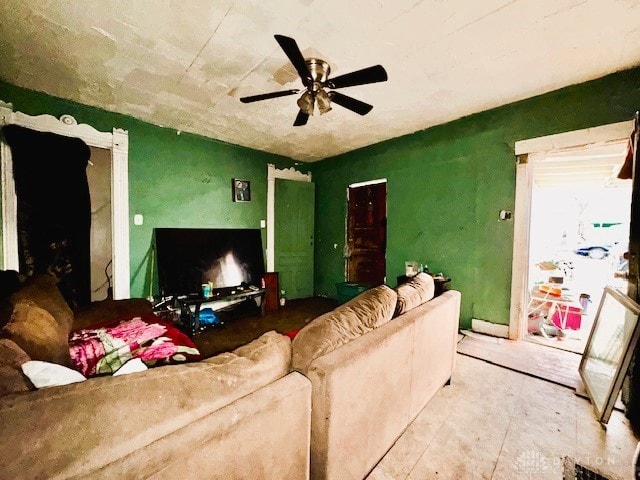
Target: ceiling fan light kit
(305, 102)
(324, 101)
(314, 74)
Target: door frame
(285, 174)
(116, 141)
(522, 208)
(346, 220)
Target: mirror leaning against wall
(608, 353)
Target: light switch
(263, 224)
(138, 219)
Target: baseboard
(488, 328)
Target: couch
(374, 363)
(328, 405)
(241, 414)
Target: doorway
(116, 143)
(579, 231)
(567, 144)
(367, 233)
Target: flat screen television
(189, 257)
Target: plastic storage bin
(347, 290)
(573, 318)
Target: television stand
(221, 300)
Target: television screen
(189, 257)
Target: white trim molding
(272, 174)
(489, 328)
(116, 141)
(520, 260)
(120, 214)
(370, 182)
(587, 136)
(9, 211)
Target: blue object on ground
(208, 317)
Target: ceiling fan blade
(374, 74)
(350, 103)
(301, 119)
(267, 96)
(294, 54)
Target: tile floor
(494, 423)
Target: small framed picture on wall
(241, 190)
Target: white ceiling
(184, 63)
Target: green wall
(174, 180)
(447, 184)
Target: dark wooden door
(634, 228)
(367, 234)
(631, 384)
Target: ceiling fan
(319, 88)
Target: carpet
(242, 325)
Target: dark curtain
(54, 208)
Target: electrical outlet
(505, 215)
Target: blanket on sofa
(103, 349)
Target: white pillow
(46, 374)
(132, 366)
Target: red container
(573, 316)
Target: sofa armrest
(360, 397)
(435, 345)
(367, 391)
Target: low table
(190, 305)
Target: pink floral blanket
(104, 349)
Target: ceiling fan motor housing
(319, 71)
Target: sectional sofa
(327, 405)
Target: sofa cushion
(42, 290)
(414, 292)
(11, 354)
(36, 331)
(271, 350)
(46, 374)
(369, 310)
(12, 379)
